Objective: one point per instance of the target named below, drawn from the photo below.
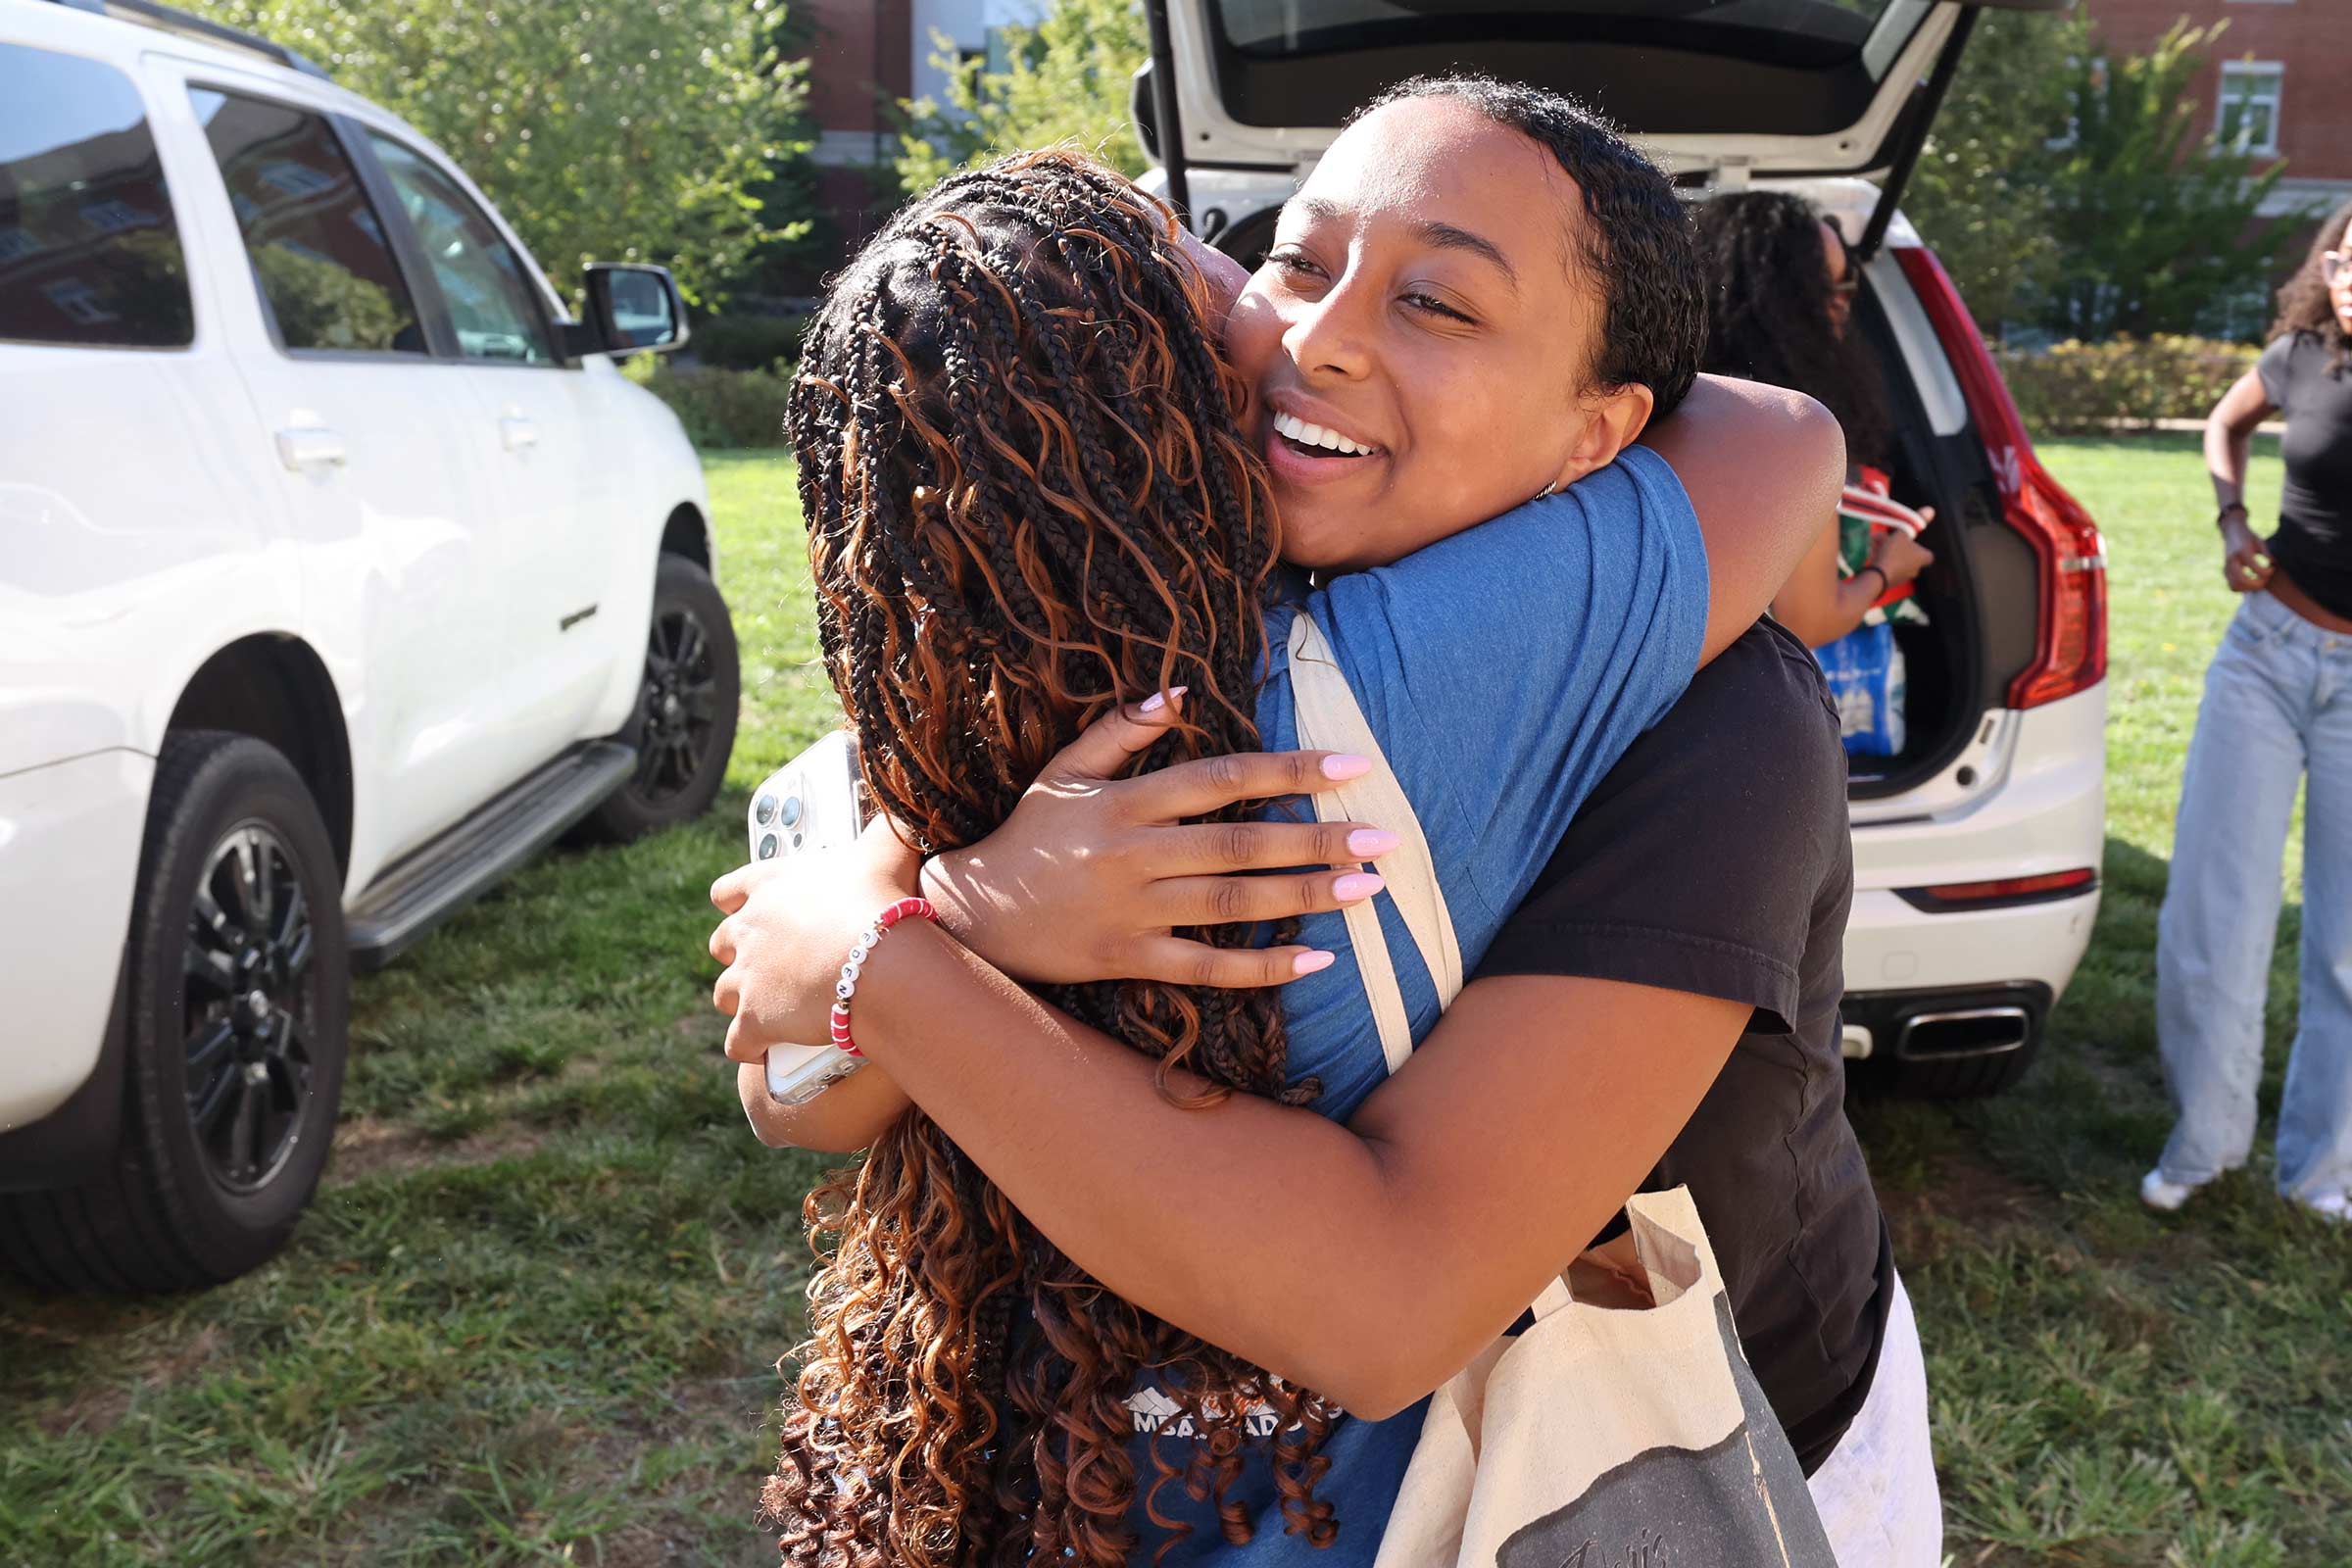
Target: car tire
(238, 996)
(684, 724)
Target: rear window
(1797, 32)
(89, 250)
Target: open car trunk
(1983, 595)
(1944, 665)
(1714, 89)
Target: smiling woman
(1424, 299)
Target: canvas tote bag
(1600, 1436)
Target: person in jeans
(2278, 708)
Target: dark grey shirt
(1716, 858)
(2313, 541)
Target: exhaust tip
(1963, 1032)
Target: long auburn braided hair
(1027, 501)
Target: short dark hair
(1634, 240)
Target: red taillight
(2012, 886)
(2070, 649)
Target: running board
(434, 882)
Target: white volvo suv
(340, 571)
(1977, 848)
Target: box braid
(1027, 501)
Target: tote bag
(1600, 1436)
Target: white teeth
(1316, 435)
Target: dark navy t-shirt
(1503, 670)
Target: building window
(111, 217)
(78, 302)
(2246, 117)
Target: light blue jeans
(2278, 707)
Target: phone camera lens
(767, 847)
(766, 811)
(793, 810)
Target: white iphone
(814, 801)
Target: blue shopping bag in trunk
(1865, 671)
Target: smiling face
(1421, 335)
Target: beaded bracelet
(846, 986)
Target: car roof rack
(171, 18)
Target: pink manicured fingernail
(1341, 765)
(1370, 843)
(1160, 700)
(1309, 962)
(1356, 885)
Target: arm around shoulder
(1763, 467)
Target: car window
(326, 275)
(491, 299)
(89, 251)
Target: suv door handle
(518, 432)
(307, 446)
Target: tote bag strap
(1329, 719)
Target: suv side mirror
(631, 309)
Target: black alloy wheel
(684, 724)
(251, 1002)
(679, 703)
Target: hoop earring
(1551, 487)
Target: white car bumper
(2044, 813)
(70, 836)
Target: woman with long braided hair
(1030, 502)
(1026, 502)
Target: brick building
(2270, 80)
(866, 55)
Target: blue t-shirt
(1503, 670)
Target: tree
(1981, 194)
(2156, 227)
(1066, 79)
(791, 252)
(604, 131)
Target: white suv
(339, 572)
(1977, 849)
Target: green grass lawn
(535, 1311)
